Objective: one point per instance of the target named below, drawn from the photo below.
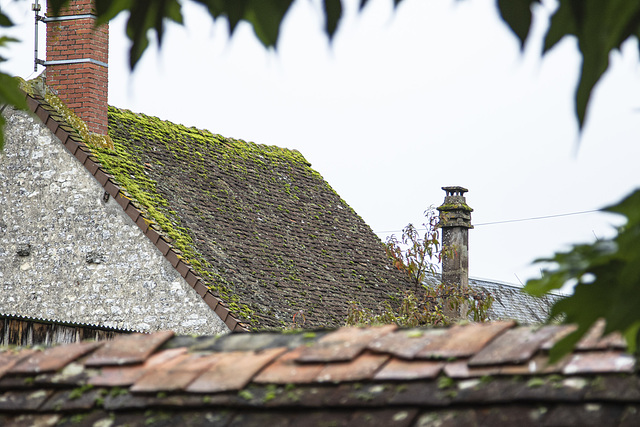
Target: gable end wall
(67, 255)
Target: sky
(400, 104)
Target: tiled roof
(489, 374)
(510, 302)
(257, 233)
(253, 229)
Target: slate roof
(510, 302)
(489, 374)
(252, 228)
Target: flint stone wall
(67, 255)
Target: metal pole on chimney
(36, 8)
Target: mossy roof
(266, 232)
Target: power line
(535, 218)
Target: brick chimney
(77, 57)
(455, 221)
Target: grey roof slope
(492, 374)
(510, 302)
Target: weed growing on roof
(245, 394)
(535, 382)
(78, 392)
(78, 418)
(486, 379)
(271, 392)
(401, 388)
(118, 391)
(445, 382)
(364, 396)
(155, 417)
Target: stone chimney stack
(455, 221)
(77, 57)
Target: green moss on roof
(65, 114)
(264, 230)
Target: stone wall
(67, 253)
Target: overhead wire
(535, 218)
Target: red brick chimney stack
(77, 57)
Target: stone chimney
(77, 56)
(455, 222)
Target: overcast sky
(401, 104)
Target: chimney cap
(455, 190)
(455, 212)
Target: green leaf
(600, 27)
(5, 21)
(517, 14)
(266, 17)
(10, 94)
(628, 207)
(608, 276)
(333, 13)
(4, 40)
(234, 10)
(563, 23)
(54, 6)
(106, 10)
(146, 15)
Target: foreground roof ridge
(476, 374)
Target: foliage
(607, 275)
(431, 306)
(424, 304)
(417, 257)
(599, 26)
(10, 94)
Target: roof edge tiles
(69, 139)
(268, 378)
